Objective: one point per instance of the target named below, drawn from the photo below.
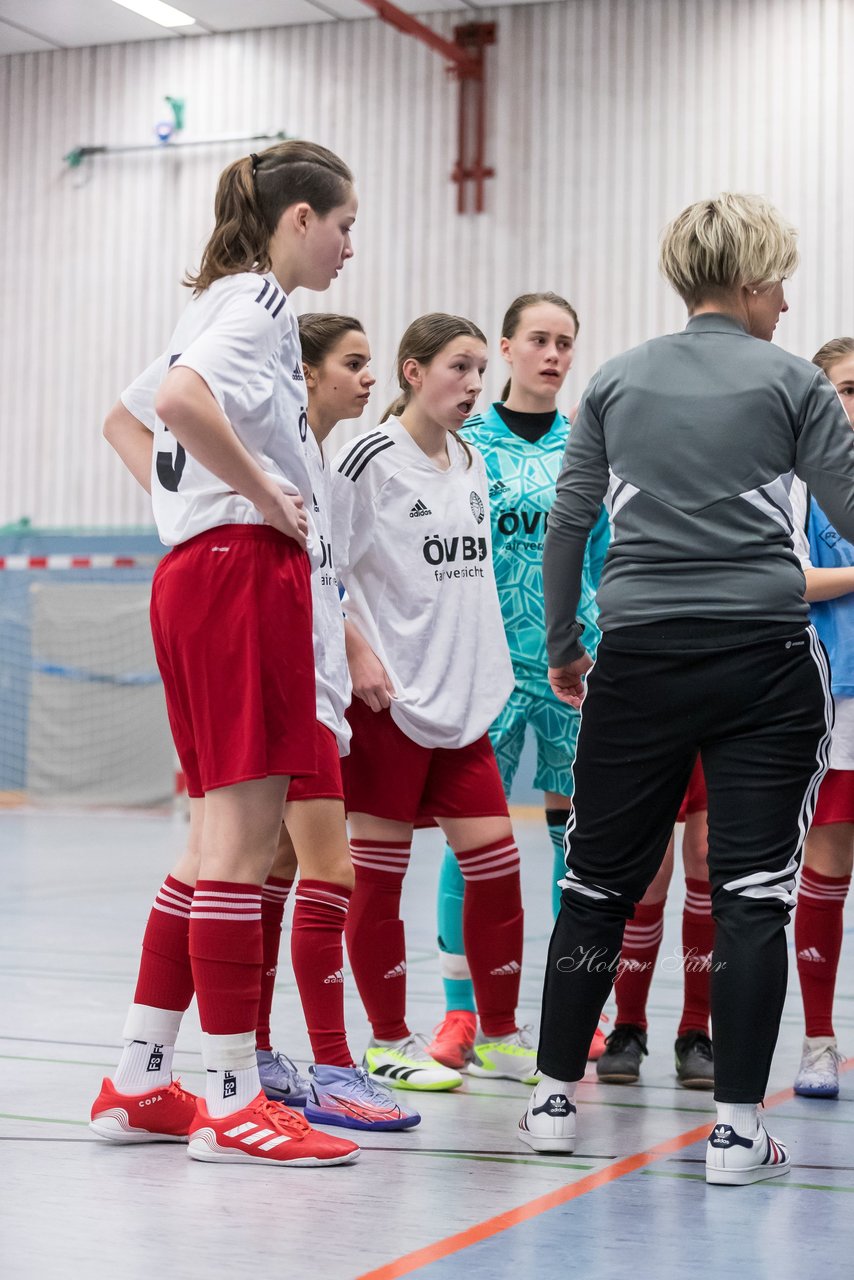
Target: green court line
(641, 1106)
(8, 1115)
(79, 1062)
(781, 1182)
(466, 1155)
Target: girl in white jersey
(430, 670)
(336, 357)
(231, 619)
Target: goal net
(82, 712)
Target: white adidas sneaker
(818, 1074)
(512, 1057)
(407, 1064)
(549, 1125)
(733, 1161)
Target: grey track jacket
(692, 440)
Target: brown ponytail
(251, 196)
(513, 316)
(423, 340)
(832, 351)
(319, 331)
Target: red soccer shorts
(389, 776)
(231, 621)
(695, 798)
(326, 783)
(835, 798)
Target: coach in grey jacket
(693, 439)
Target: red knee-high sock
(641, 942)
(226, 949)
(492, 931)
(274, 896)
(165, 976)
(317, 953)
(698, 942)
(818, 942)
(374, 931)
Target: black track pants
(755, 703)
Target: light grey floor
(76, 894)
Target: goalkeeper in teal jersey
(522, 439)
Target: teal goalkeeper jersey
(522, 479)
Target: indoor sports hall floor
(458, 1196)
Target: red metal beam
(467, 62)
(461, 62)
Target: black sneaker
(695, 1061)
(624, 1048)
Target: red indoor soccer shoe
(162, 1115)
(453, 1039)
(597, 1044)
(265, 1133)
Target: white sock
(743, 1116)
(146, 1062)
(227, 1091)
(547, 1085)
(144, 1065)
(232, 1072)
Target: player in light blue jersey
(522, 439)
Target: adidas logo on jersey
(297, 374)
(812, 954)
(498, 487)
(505, 970)
(420, 509)
(338, 976)
(399, 971)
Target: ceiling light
(165, 15)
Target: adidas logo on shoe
(556, 1104)
(723, 1135)
(338, 976)
(812, 954)
(420, 509)
(506, 970)
(399, 971)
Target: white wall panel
(606, 117)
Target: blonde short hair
(717, 245)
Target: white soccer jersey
(242, 338)
(413, 549)
(330, 658)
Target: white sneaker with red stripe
(733, 1161)
(265, 1133)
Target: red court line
(411, 1262)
